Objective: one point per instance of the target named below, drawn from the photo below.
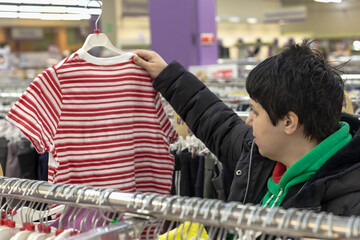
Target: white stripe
(93, 73)
(135, 132)
(102, 90)
(139, 116)
(123, 120)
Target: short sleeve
(38, 110)
(165, 122)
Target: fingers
(150, 61)
(144, 54)
(140, 62)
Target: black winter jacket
(334, 188)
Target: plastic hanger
(31, 213)
(98, 39)
(36, 214)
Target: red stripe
(140, 109)
(76, 83)
(110, 143)
(144, 81)
(136, 94)
(111, 101)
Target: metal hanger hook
(98, 18)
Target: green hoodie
(307, 166)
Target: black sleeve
(215, 124)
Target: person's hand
(150, 61)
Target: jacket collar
(346, 160)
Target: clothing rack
(214, 213)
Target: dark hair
(299, 79)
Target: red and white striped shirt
(102, 123)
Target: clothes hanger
(28, 231)
(22, 232)
(35, 214)
(98, 39)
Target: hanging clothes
(102, 123)
(42, 170)
(15, 148)
(3, 152)
(28, 163)
(198, 176)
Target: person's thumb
(139, 61)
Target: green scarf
(307, 166)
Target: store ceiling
(256, 8)
(237, 5)
(312, 3)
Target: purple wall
(175, 30)
(208, 54)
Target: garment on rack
(3, 152)
(209, 168)
(22, 160)
(79, 218)
(102, 123)
(12, 168)
(28, 163)
(218, 181)
(186, 231)
(185, 183)
(198, 176)
(42, 170)
(199, 184)
(194, 166)
(175, 187)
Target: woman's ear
(290, 123)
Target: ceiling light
(82, 3)
(328, 1)
(45, 16)
(8, 15)
(64, 16)
(29, 15)
(356, 45)
(252, 20)
(234, 19)
(9, 8)
(50, 10)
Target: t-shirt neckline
(126, 56)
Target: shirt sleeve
(38, 110)
(165, 123)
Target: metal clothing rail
(232, 215)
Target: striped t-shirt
(102, 123)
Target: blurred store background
(220, 41)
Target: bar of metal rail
(232, 215)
